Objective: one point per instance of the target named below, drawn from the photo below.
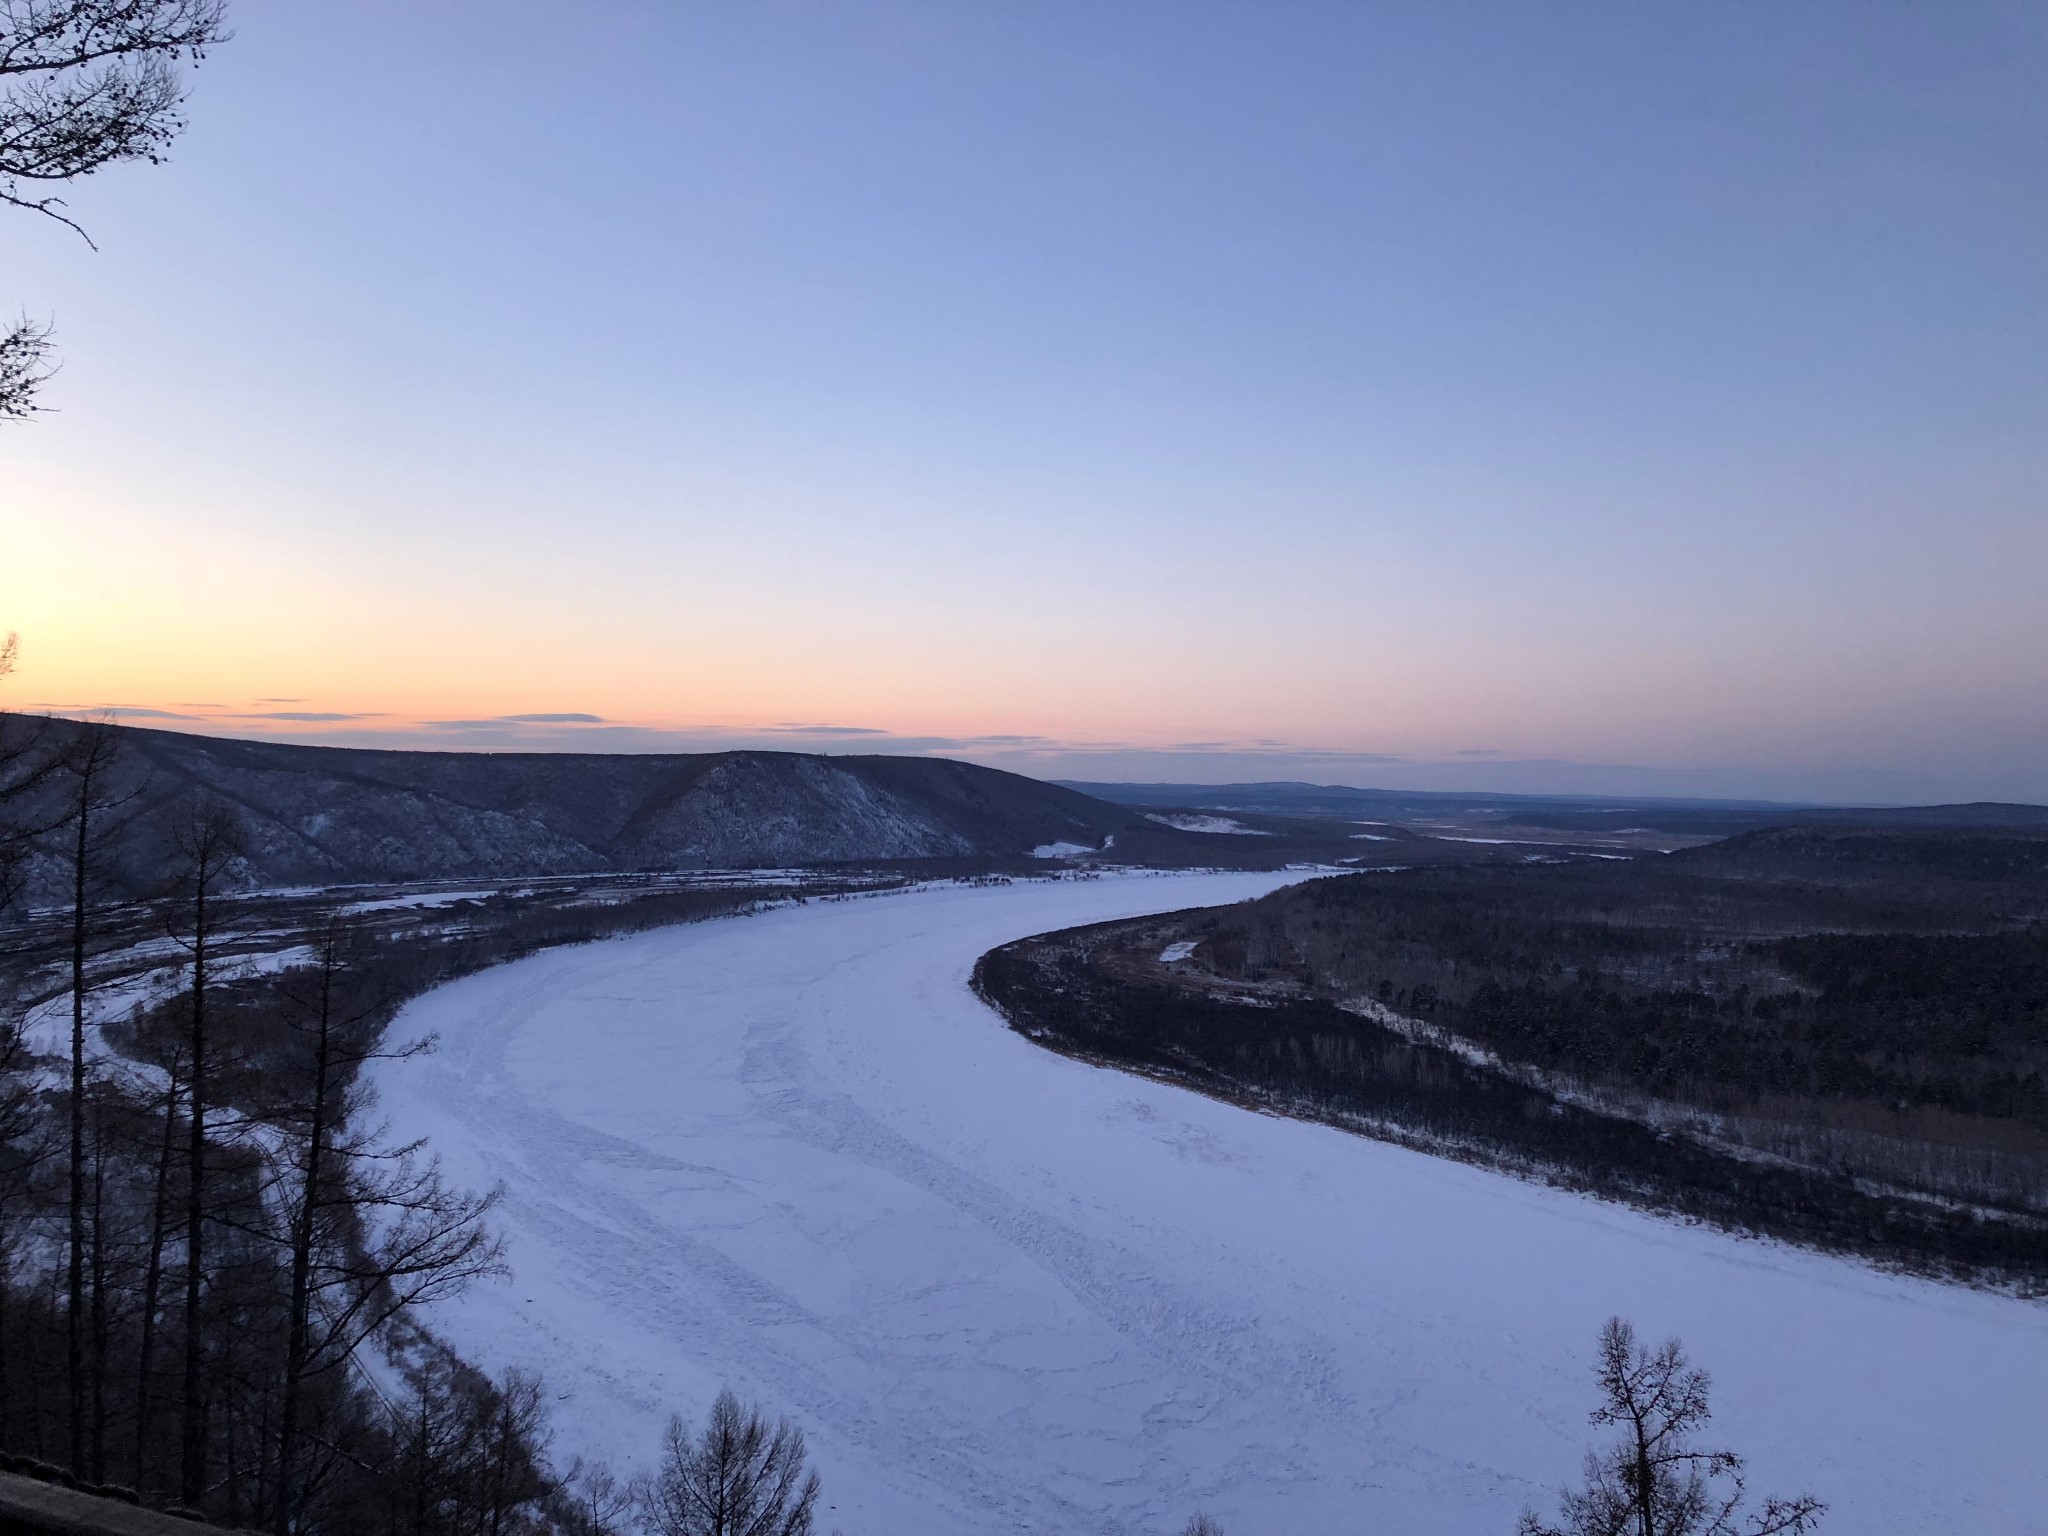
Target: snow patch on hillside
(417, 899)
(1226, 825)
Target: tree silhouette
(84, 84)
(1653, 1481)
(743, 1476)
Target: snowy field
(1005, 1292)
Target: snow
(1177, 951)
(422, 899)
(1226, 825)
(46, 1028)
(1061, 850)
(1007, 1292)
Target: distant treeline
(1840, 1038)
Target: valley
(1007, 1290)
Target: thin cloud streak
(310, 716)
(112, 711)
(529, 722)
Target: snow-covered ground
(1006, 1292)
(1227, 825)
(415, 899)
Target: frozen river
(1005, 1292)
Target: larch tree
(371, 1227)
(209, 842)
(742, 1476)
(91, 807)
(1654, 1480)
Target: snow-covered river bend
(1005, 1292)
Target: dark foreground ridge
(37, 1500)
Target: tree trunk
(192, 1462)
(6, 1377)
(99, 1300)
(74, 1330)
(302, 1263)
(1646, 1490)
(153, 1276)
(210, 841)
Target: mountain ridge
(318, 815)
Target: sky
(1580, 397)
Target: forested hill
(329, 815)
(1837, 1035)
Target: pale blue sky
(1663, 386)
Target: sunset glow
(1179, 424)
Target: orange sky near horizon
(224, 626)
(1364, 392)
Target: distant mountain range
(317, 816)
(1579, 813)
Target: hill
(1834, 1035)
(338, 815)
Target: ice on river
(1006, 1292)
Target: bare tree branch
(84, 84)
(24, 368)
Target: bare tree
(87, 760)
(89, 84)
(1653, 1481)
(24, 767)
(743, 1476)
(209, 841)
(84, 84)
(153, 1269)
(591, 1501)
(514, 1476)
(24, 1145)
(467, 1458)
(102, 1312)
(1201, 1525)
(372, 1228)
